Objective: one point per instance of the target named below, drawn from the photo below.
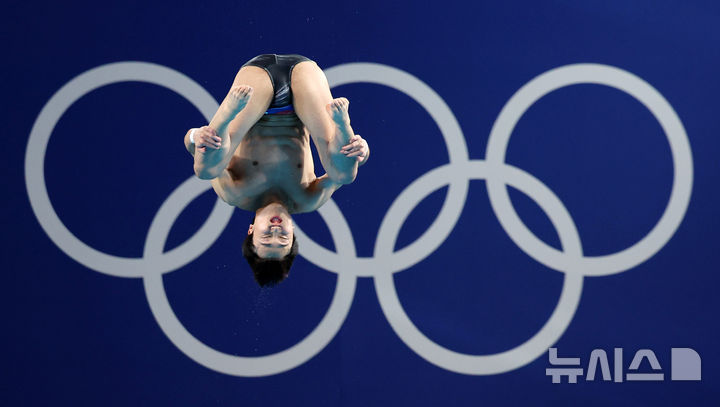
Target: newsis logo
(685, 365)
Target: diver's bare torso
(254, 158)
(273, 159)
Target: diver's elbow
(206, 173)
(346, 178)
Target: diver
(256, 151)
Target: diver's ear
(250, 229)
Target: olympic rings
(384, 262)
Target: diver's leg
(259, 80)
(244, 105)
(326, 119)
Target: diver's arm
(215, 143)
(357, 147)
(345, 160)
(203, 138)
(208, 149)
(317, 193)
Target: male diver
(256, 151)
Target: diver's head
(272, 232)
(270, 245)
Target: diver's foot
(237, 99)
(338, 110)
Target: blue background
(73, 336)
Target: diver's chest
(284, 171)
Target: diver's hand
(357, 147)
(206, 137)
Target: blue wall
(377, 311)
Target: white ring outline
(679, 146)
(547, 335)
(248, 366)
(35, 167)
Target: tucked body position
(256, 151)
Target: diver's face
(272, 234)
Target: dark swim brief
(279, 68)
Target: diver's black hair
(268, 272)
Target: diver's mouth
(276, 219)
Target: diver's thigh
(311, 95)
(261, 98)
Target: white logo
(457, 173)
(686, 365)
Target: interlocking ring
(384, 263)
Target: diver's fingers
(207, 141)
(352, 146)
